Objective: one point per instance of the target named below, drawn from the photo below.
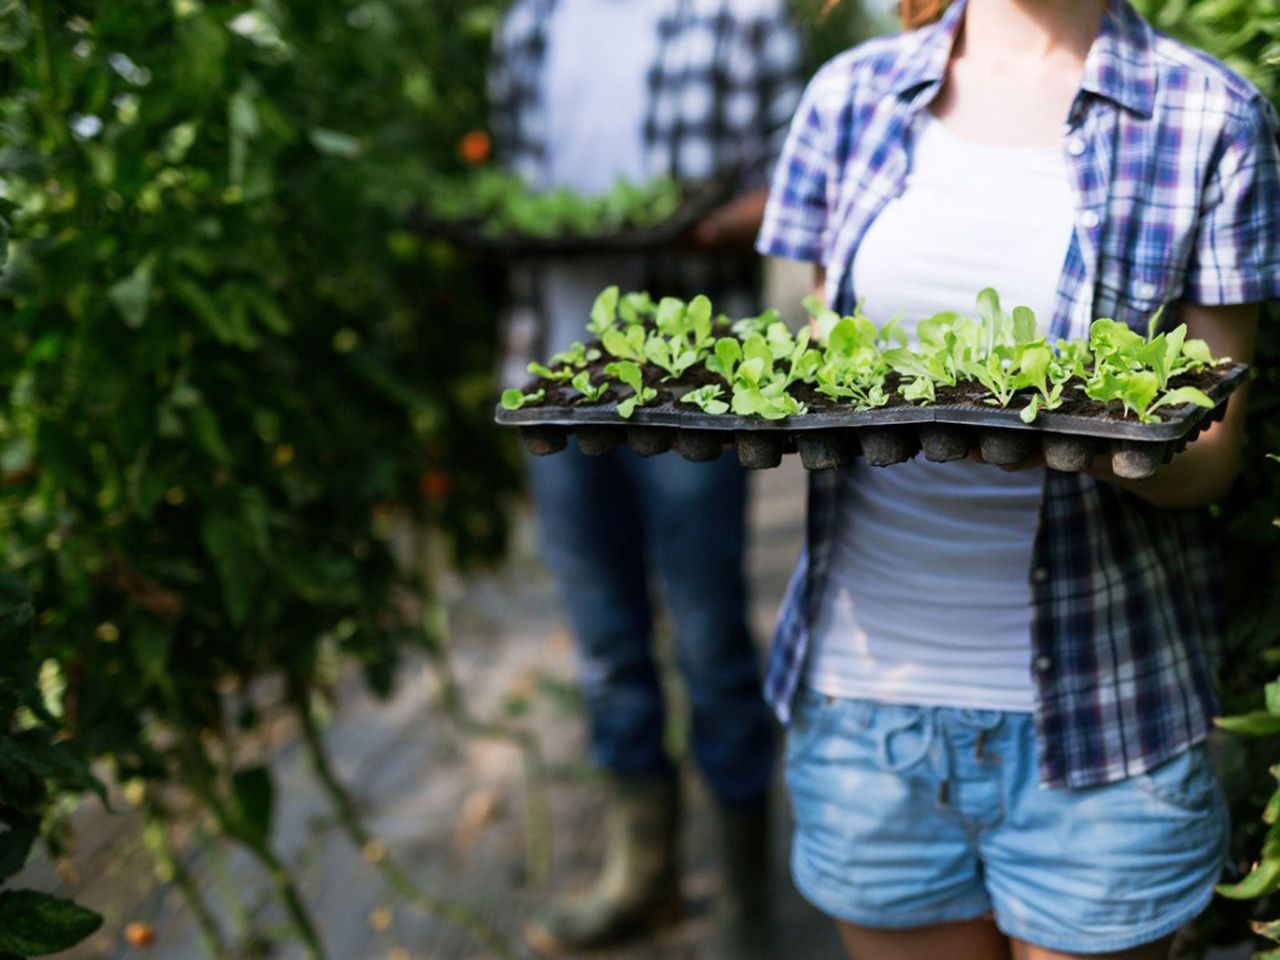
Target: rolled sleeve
(1236, 254)
(796, 217)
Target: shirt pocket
(1132, 292)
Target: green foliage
(224, 360)
(505, 205)
(38, 768)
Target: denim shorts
(911, 816)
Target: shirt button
(1076, 146)
(1040, 575)
(1090, 219)
(1146, 290)
(1043, 664)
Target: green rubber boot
(744, 912)
(638, 887)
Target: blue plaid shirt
(1175, 164)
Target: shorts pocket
(1186, 782)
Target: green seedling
(515, 399)
(604, 312)
(673, 355)
(635, 307)
(590, 394)
(628, 373)
(707, 399)
(625, 344)
(724, 360)
(577, 356)
(547, 373)
(1035, 366)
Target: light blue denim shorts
(911, 816)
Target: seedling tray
(827, 439)
(472, 235)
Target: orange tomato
(475, 148)
(436, 484)
(139, 935)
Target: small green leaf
(515, 400)
(1259, 723)
(34, 924)
(604, 311)
(254, 794)
(132, 294)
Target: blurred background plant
(227, 370)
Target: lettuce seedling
(514, 399)
(590, 394)
(698, 324)
(634, 307)
(577, 356)
(823, 317)
(747, 326)
(921, 390)
(993, 375)
(758, 392)
(629, 373)
(724, 360)
(707, 399)
(546, 373)
(604, 312)
(670, 318)
(1035, 370)
(625, 344)
(673, 356)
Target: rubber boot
(638, 886)
(744, 911)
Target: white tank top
(929, 596)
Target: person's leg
(965, 940)
(590, 534)
(591, 540)
(1149, 951)
(694, 521)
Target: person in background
(585, 92)
(996, 682)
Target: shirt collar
(1118, 68)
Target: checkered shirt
(1175, 163)
(722, 90)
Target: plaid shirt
(722, 91)
(1175, 164)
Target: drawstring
(929, 722)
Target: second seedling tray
(825, 440)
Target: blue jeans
(605, 523)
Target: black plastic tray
(471, 234)
(831, 439)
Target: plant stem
(196, 768)
(210, 935)
(453, 700)
(355, 828)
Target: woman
(995, 679)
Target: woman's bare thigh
(965, 940)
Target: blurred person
(996, 681)
(586, 92)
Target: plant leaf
(33, 924)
